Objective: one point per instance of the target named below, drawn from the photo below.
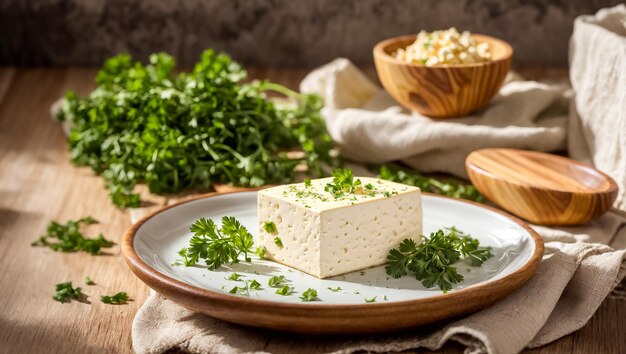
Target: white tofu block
(327, 236)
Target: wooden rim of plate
(330, 318)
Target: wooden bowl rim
(144, 271)
(610, 189)
(379, 52)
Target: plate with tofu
(324, 260)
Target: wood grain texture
(442, 91)
(38, 184)
(542, 188)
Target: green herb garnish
(371, 300)
(260, 252)
(277, 281)
(285, 290)
(335, 289)
(235, 277)
(176, 131)
(307, 183)
(255, 285)
(278, 242)
(68, 238)
(447, 187)
(88, 281)
(343, 183)
(65, 292)
(217, 246)
(245, 290)
(120, 298)
(270, 227)
(309, 295)
(433, 260)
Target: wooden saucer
(541, 188)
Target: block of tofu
(310, 229)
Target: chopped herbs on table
(285, 290)
(217, 246)
(88, 281)
(235, 277)
(120, 298)
(270, 227)
(309, 295)
(432, 261)
(68, 238)
(335, 289)
(277, 281)
(65, 292)
(278, 242)
(447, 187)
(176, 131)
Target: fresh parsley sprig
(68, 237)
(217, 246)
(432, 261)
(343, 183)
(448, 187)
(308, 295)
(176, 131)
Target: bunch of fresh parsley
(217, 246)
(144, 123)
(447, 187)
(433, 260)
(68, 238)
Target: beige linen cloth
(580, 268)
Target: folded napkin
(580, 268)
(369, 126)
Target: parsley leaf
(335, 289)
(309, 295)
(449, 187)
(432, 261)
(278, 242)
(371, 300)
(260, 252)
(284, 290)
(88, 281)
(277, 281)
(120, 298)
(235, 277)
(270, 227)
(217, 246)
(343, 183)
(68, 238)
(176, 131)
(65, 292)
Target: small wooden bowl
(542, 188)
(442, 91)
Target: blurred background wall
(271, 32)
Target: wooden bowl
(442, 91)
(542, 188)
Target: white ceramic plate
(153, 243)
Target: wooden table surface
(38, 184)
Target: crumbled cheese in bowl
(444, 48)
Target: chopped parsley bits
(255, 285)
(337, 289)
(88, 281)
(65, 292)
(307, 183)
(278, 242)
(245, 290)
(120, 298)
(270, 227)
(260, 252)
(277, 281)
(235, 277)
(309, 295)
(371, 300)
(285, 290)
(68, 238)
